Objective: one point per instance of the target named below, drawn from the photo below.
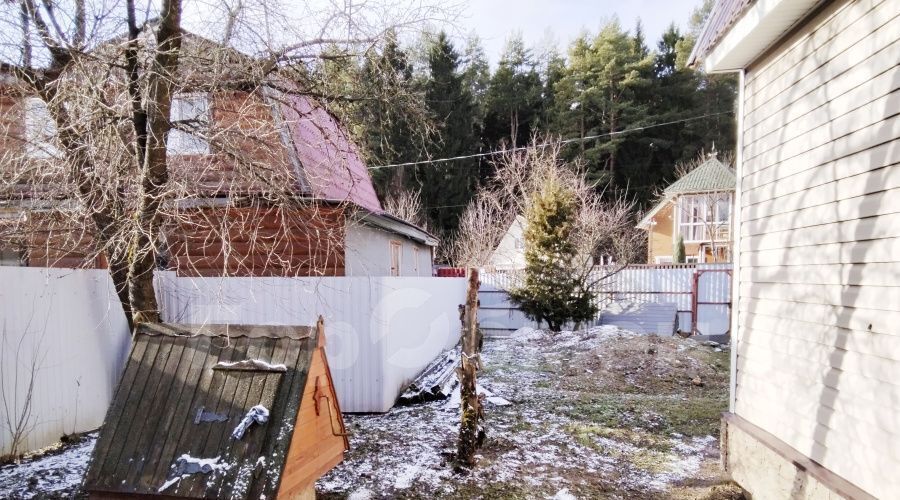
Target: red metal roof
(331, 164)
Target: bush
(553, 291)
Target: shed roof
(175, 410)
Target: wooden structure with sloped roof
(696, 207)
(220, 411)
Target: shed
(220, 411)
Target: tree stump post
(470, 429)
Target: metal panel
(65, 327)
(150, 424)
(380, 332)
(639, 283)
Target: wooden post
(470, 429)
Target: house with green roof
(697, 208)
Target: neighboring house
(294, 147)
(220, 411)
(696, 207)
(815, 394)
(510, 252)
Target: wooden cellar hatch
(220, 411)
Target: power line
(546, 144)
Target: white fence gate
(701, 293)
(67, 328)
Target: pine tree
(552, 291)
(447, 187)
(514, 97)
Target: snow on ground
(51, 474)
(601, 413)
(596, 413)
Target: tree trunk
(155, 172)
(471, 432)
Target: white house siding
(368, 253)
(818, 359)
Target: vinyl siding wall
(818, 360)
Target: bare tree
(603, 227)
(406, 205)
(102, 177)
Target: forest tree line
(437, 99)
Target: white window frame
(664, 259)
(694, 221)
(692, 259)
(40, 129)
(181, 142)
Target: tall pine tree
(448, 186)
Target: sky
(564, 20)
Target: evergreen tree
(448, 186)
(552, 292)
(388, 134)
(514, 97)
(679, 250)
(600, 95)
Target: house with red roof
(265, 182)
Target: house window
(39, 129)
(190, 112)
(704, 215)
(396, 249)
(692, 259)
(12, 257)
(664, 259)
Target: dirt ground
(602, 413)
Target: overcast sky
(563, 20)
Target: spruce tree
(447, 187)
(552, 291)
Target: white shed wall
(818, 359)
(368, 253)
(380, 331)
(67, 325)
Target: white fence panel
(67, 328)
(380, 331)
(654, 284)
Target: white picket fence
(710, 297)
(67, 327)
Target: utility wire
(546, 144)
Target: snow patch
(258, 414)
(251, 364)
(186, 465)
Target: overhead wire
(547, 144)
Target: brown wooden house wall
(259, 241)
